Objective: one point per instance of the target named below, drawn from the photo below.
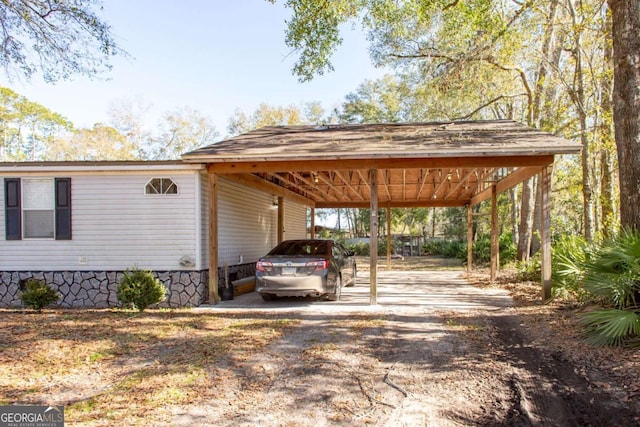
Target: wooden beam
(495, 248)
(286, 182)
(312, 230)
(478, 160)
(349, 186)
(437, 203)
(373, 240)
(469, 238)
(511, 180)
(280, 219)
(425, 174)
(214, 298)
(545, 232)
(460, 183)
(339, 194)
(269, 187)
(389, 237)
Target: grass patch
(110, 365)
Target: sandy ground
(433, 351)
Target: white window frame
(24, 198)
(164, 193)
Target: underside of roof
(416, 164)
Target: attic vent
(161, 186)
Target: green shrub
(360, 249)
(38, 294)
(508, 249)
(569, 255)
(612, 275)
(529, 271)
(140, 289)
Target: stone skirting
(99, 288)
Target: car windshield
(302, 247)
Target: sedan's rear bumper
(292, 286)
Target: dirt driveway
(435, 351)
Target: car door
(346, 264)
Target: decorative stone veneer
(99, 288)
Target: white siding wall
(115, 226)
(247, 223)
(204, 221)
(295, 221)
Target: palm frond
(611, 327)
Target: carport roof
(418, 164)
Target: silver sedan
(305, 268)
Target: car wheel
(268, 297)
(335, 296)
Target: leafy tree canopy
(58, 38)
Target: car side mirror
(350, 253)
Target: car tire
(268, 297)
(335, 296)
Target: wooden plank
(511, 180)
(312, 229)
(476, 161)
(214, 298)
(389, 237)
(495, 249)
(281, 213)
(244, 286)
(469, 238)
(545, 231)
(437, 203)
(373, 240)
(269, 187)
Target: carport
(454, 164)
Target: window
(161, 186)
(38, 208)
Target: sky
(211, 55)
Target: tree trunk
(526, 220)
(626, 105)
(577, 95)
(607, 158)
(525, 228)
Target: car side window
(337, 253)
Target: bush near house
(140, 289)
(38, 294)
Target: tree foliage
(56, 38)
(544, 64)
(275, 115)
(99, 143)
(27, 129)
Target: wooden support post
(373, 241)
(214, 298)
(312, 229)
(469, 238)
(280, 219)
(495, 238)
(389, 240)
(545, 232)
